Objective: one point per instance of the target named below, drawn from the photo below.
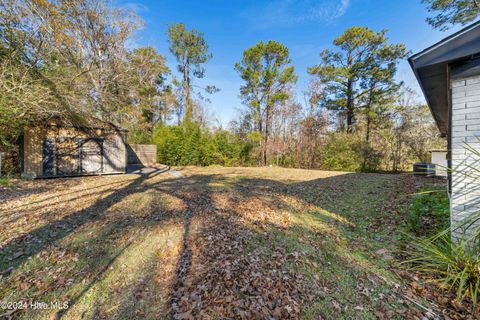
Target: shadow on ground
(207, 246)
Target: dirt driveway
(263, 243)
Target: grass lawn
(215, 243)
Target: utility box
(424, 169)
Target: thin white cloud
(326, 11)
(286, 12)
(136, 7)
(344, 4)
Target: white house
(449, 74)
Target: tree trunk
(369, 120)
(368, 107)
(266, 133)
(259, 128)
(350, 107)
(312, 154)
(259, 122)
(350, 121)
(186, 94)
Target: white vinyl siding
(465, 197)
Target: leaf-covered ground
(215, 243)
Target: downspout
(449, 135)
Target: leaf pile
(224, 282)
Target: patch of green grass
(452, 266)
(114, 277)
(429, 212)
(4, 181)
(341, 276)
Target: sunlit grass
(348, 271)
(137, 265)
(100, 275)
(120, 263)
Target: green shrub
(429, 212)
(190, 144)
(226, 148)
(339, 153)
(348, 152)
(370, 157)
(4, 181)
(139, 135)
(245, 155)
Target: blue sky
(305, 26)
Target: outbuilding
(449, 74)
(439, 159)
(57, 150)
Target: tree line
(72, 60)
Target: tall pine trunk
(350, 107)
(262, 133)
(368, 108)
(369, 120)
(266, 134)
(186, 94)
